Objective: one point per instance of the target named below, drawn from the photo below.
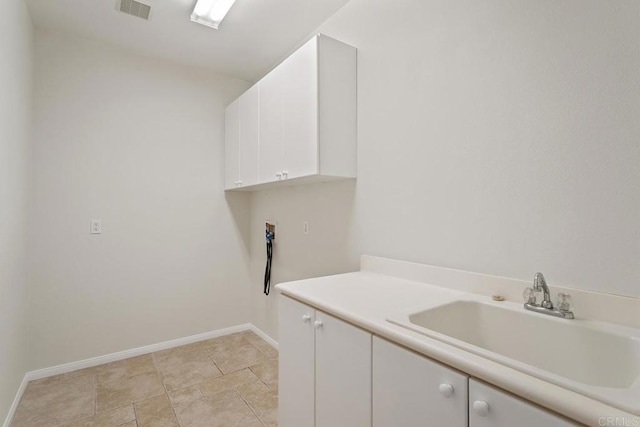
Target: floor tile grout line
(130, 403)
(99, 413)
(250, 407)
(95, 394)
(205, 396)
(173, 410)
(259, 378)
(135, 413)
(214, 363)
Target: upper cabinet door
(410, 390)
(490, 407)
(250, 136)
(231, 145)
(270, 116)
(300, 111)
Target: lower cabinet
(333, 374)
(297, 364)
(410, 390)
(325, 370)
(491, 407)
(343, 374)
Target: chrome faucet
(540, 285)
(546, 306)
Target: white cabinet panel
(306, 118)
(297, 365)
(231, 145)
(271, 144)
(300, 111)
(410, 390)
(490, 407)
(343, 374)
(250, 136)
(325, 370)
(337, 108)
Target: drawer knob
(446, 390)
(481, 408)
(317, 324)
(306, 318)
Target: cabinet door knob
(285, 174)
(481, 408)
(239, 182)
(306, 318)
(278, 175)
(446, 390)
(317, 324)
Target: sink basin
(594, 358)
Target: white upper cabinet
(270, 162)
(250, 137)
(232, 145)
(242, 138)
(300, 112)
(306, 118)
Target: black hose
(267, 270)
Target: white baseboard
(126, 354)
(121, 355)
(16, 402)
(264, 336)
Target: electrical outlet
(96, 226)
(305, 227)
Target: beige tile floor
(226, 381)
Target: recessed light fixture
(211, 12)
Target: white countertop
(366, 299)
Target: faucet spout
(540, 285)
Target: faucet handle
(529, 296)
(563, 301)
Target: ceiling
(252, 38)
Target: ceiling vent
(135, 8)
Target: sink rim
(627, 399)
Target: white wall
(137, 143)
(15, 126)
(497, 136)
(329, 248)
